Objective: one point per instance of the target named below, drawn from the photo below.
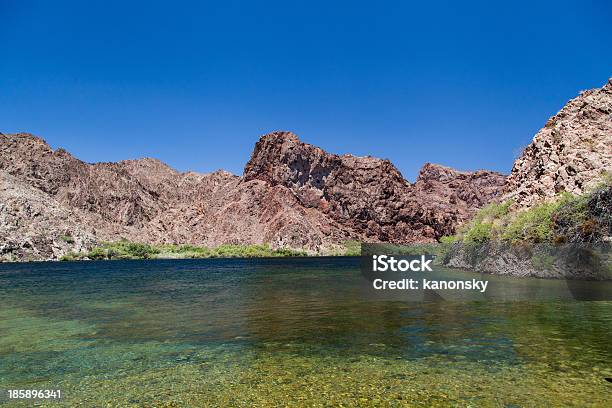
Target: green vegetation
(67, 239)
(535, 225)
(352, 248)
(495, 222)
(132, 250)
(485, 225)
(567, 218)
(480, 232)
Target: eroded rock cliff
(569, 153)
(369, 195)
(292, 194)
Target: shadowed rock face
(569, 153)
(292, 194)
(451, 197)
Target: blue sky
(464, 84)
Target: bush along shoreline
(568, 238)
(121, 250)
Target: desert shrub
(97, 253)
(533, 225)
(586, 218)
(67, 239)
(251, 251)
(449, 239)
(485, 225)
(132, 250)
(480, 232)
(182, 251)
(138, 250)
(567, 218)
(192, 249)
(236, 251)
(352, 248)
(288, 252)
(122, 250)
(226, 251)
(493, 211)
(70, 256)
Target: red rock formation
(292, 194)
(569, 154)
(369, 195)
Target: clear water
(286, 332)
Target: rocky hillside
(292, 195)
(539, 230)
(569, 153)
(368, 195)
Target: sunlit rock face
(292, 194)
(569, 153)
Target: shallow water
(287, 332)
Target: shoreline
(6, 262)
(576, 262)
(457, 267)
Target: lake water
(287, 332)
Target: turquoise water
(266, 332)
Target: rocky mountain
(368, 195)
(569, 153)
(292, 194)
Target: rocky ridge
(572, 153)
(569, 153)
(292, 194)
(369, 195)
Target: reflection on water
(265, 332)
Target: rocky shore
(567, 261)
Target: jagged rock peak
(569, 153)
(282, 158)
(432, 171)
(22, 136)
(146, 161)
(280, 136)
(437, 172)
(23, 139)
(293, 194)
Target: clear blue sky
(465, 84)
